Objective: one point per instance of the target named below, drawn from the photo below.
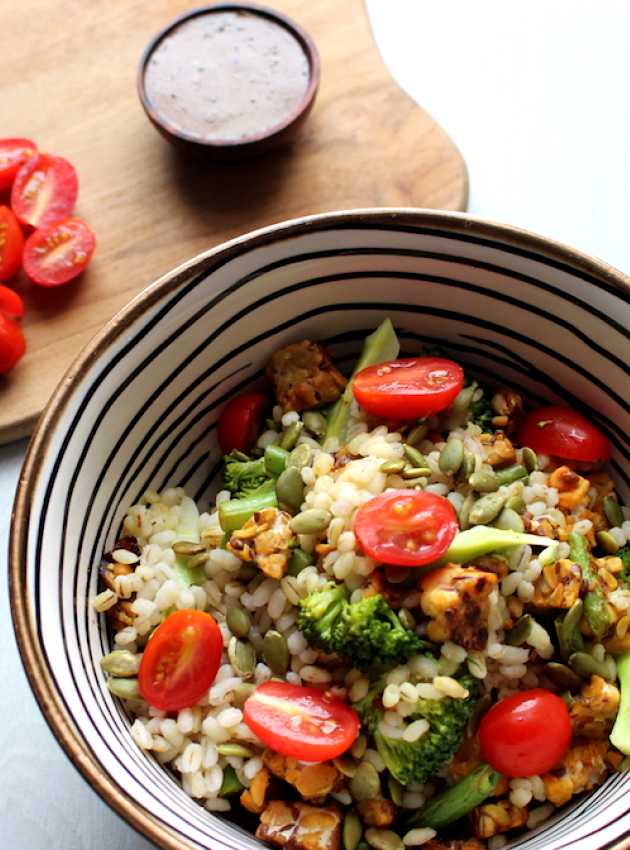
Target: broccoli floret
(368, 632)
(447, 718)
(481, 413)
(624, 575)
(243, 476)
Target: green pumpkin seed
(510, 474)
(484, 481)
(242, 656)
(242, 692)
(486, 508)
(613, 511)
(607, 542)
(406, 618)
(365, 784)
(417, 434)
(521, 631)
(509, 520)
(238, 620)
(315, 423)
(300, 456)
(395, 790)
(357, 750)
(390, 467)
(384, 839)
(463, 514)
(530, 459)
(197, 561)
(568, 630)
(120, 662)
(298, 561)
(290, 436)
(562, 676)
(124, 688)
(237, 750)
(276, 652)
(415, 457)
(516, 503)
(412, 472)
(352, 831)
(311, 521)
(183, 547)
(290, 488)
(463, 400)
(549, 554)
(346, 765)
(586, 666)
(468, 466)
(451, 457)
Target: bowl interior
(140, 409)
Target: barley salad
(404, 621)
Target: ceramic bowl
(138, 410)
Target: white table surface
(535, 95)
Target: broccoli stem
(188, 531)
(379, 346)
(620, 735)
(275, 460)
(481, 539)
(457, 801)
(235, 513)
(595, 606)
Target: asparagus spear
(457, 800)
(595, 605)
(481, 539)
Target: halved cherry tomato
(181, 660)
(525, 734)
(13, 154)
(240, 420)
(408, 528)
(10, 303)
(303, 723)
(45, 190)
(12, 343)
(56, 254)
(408, 388)
(11, 244)
(562, 432)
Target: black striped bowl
(138, 409)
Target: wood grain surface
(68, 82)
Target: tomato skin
(44, 261)
(526, 734)
(12, 343)
(180, 660)
(45, 190)
(408, 388)
(10, 303)
(13, 154)
(11, 244)
(387, 524)
(562, 432)
(240, 420)
(292, 720)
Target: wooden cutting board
(68, 82)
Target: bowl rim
(64, 730)
(250, 142)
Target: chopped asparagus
(595, 605)
(457, 801)
(482, 539)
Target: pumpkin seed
(568, 630)
(412, 472)
(197, 560)
(238, 620)
(521, 631)
(395, 790)
(290, 488)
(516, 503)
(242, 692)
(357, 750)
(415, 457)
(510, 474)
(563, 676)
(509, 520)
(290, 436)
(463, 514)
(463, 399)
(607, 542)
(392, 466)
(237, 750)
(530, 459)
(406, 618)
(315, 423)
(417, 434)
(365, 784)
(468, 466)
(613, 511)
(242, 656)
(298, 561)
(451, 457)
(352, 831)
(300, 456)
(120, 662)
(586, 666)
(124, 688)
(346, 765)
(276, 652)
(183, 547)
(384, 839)
(486, 508)
(310, 521)
(484, 481)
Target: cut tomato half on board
(11, 244)
(13, 154)
(45, 190)
(56, 254)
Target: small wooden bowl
(251, 145)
